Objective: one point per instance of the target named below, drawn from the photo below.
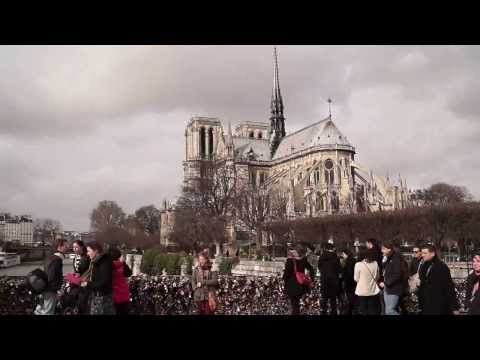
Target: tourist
(330, 270)
(204, 284)
(293, 289)
(348, 282)
(437, 290)
(414, 269)
(416, 262)
(81, 261)
(121, 292)
(366, 274)
(98, 281)
(395, 279)
(54, 269)
(75, 294)
(472, 293)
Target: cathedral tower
(201, 140)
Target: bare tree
(46, 229)
(442, 194)
(207, 205)
(105, 215)
(148, 218)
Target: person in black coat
(330, 270)
(395, 279)
(81, 263)
(98, 281)
(348, 282)
(472, 289)
(437, 291)
(53, 267)
(293, 289)
(416, 261)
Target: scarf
(87, 275)
(203, 273)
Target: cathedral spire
(277, 119)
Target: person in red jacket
(121, 292)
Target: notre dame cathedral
(315, 166)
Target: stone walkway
(24, 268)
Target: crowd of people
(376, 281)
(380, 281)
(98, 285)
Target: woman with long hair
(77, 295)
(98, 280)
(121, 291)
(367, 274)
(81, 260)
(204, 284)
(293, 289)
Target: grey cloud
(79, 124)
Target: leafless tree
(105, 215)
(148, 218)
(207, 205)
(442, 194)
(46, 229)
(257, 205)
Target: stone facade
(316, 167)
(17, 229)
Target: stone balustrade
(258, 268)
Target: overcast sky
(81, 124)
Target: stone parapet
(258, 268)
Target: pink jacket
(121, 292)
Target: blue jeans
(391, 303)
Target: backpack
(37, 281)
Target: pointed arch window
(316, 177)
(251, 135)
(210, 141)
(203, 144)
(335, 201)
(262, 178)
(329, 173)
(260, 135)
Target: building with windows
(316, 167)
(17, 229)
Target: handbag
(212, 301)
(301, 277)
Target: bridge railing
(172, 295)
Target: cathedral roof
(323, 132)
(259, 147)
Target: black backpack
(37, 281)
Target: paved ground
(24, 268)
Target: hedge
(459, 223)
